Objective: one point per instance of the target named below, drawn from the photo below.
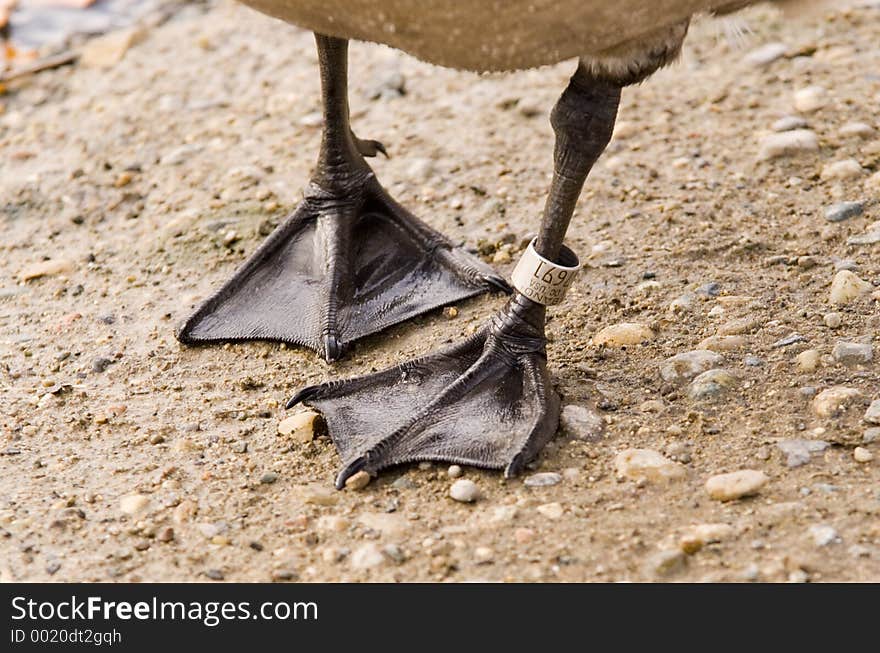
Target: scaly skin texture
(349, 261)
(488, 401)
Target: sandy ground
(128, 193)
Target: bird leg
(348, 262)
(487, 401)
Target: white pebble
(465, 491)
(581, 423)
(787, 144)
(766, 54)
(637, 464)
(808, 360)
(846, 169)
(847, 286)
(860, 129)
(544, 479)
(134, 504)
(367, 556)
(811, 98)
(454, 471)
(862, 455)
(551, 510)
(823, 535)
(832, 320)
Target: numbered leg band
(543, 281)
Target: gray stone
(798, 452)
(544, 479)
(853, 353)
(710, 384)
(683, 367)
(872, 415)
(870, 237)
(789, 340)
(581, 423)
(843, 211)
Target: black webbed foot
(349, 262)
(344, 265)
(485, 402)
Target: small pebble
(853, 353)
(791, 339)
(551, 510)
(788, 123)
(859, 129)
(810, 99)
(832, 320)
(544, 479)
(843, 211)
(870, 237)
(638, 464)
(734, 485)
(581, 423)
(464, 491)
(835, 400)
(358, 481)
(134, 504)
(101, 364)
(454, 471)
(45, 269)
(871, 435)
(823, 535)
(798, 452)
(623, 335)
(847, 286)
(862, 455)
(483, 555)
(788, 144)
(711, 383)
(215, 574)
(302, 427)
(766, 54)
(722, 343)
(683, 367)
(841, 170)
(808, 360)
(872, 415)
(367, 556)
(268, 478)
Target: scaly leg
(487, 401)
(349, 261)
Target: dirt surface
(130, 191)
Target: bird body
(497, 35)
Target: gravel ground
(130, 189)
